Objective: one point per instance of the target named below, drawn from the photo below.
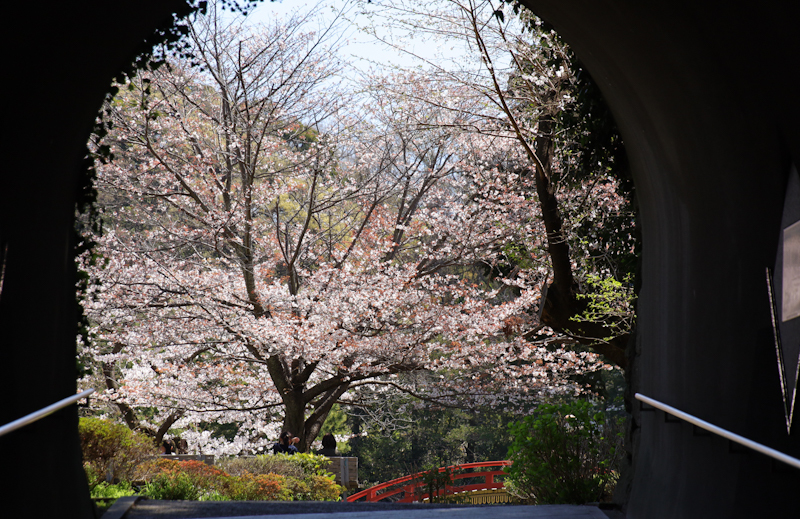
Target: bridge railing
(411, 488)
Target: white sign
(791, 272)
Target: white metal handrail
(41, 413)
(763, 449)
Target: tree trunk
(294, 417)
(290, 380)
(561, 303)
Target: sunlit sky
(362, 49)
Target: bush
(214, 496)
(299, 465)
(564, 454)
(314, 488)
(250, 479)
(322, 488)
(204, 476)
(258, 487)
(312, 464)
(106, 490)
(282, 464)
(174, 487)
(305, 475)
(111, 450)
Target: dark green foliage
(428, 438)
(220, 430)
(111, 450)
(592, 147)
(335, 423)
(435, 484)
(589, 147)
(564, 453)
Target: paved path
(153, 509)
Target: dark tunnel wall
(707, 102)
(706, 99)
(59, 59)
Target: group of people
(287, 444)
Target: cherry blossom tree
(266, 251)
(527, 78)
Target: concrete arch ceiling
(712, 140)
(706, 97)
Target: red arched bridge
(481, 484)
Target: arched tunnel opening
(709, 119)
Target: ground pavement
(137, 508)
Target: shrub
(178, 486)
(214, 496)
(279, 464)
(322, 488)
(205, 478)
(249, 479)
(260, 487)
(111, 449)
(106, 490)
(312, 464)
(203, 475)
(305, 475)
(563, 454)
(298, 466)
